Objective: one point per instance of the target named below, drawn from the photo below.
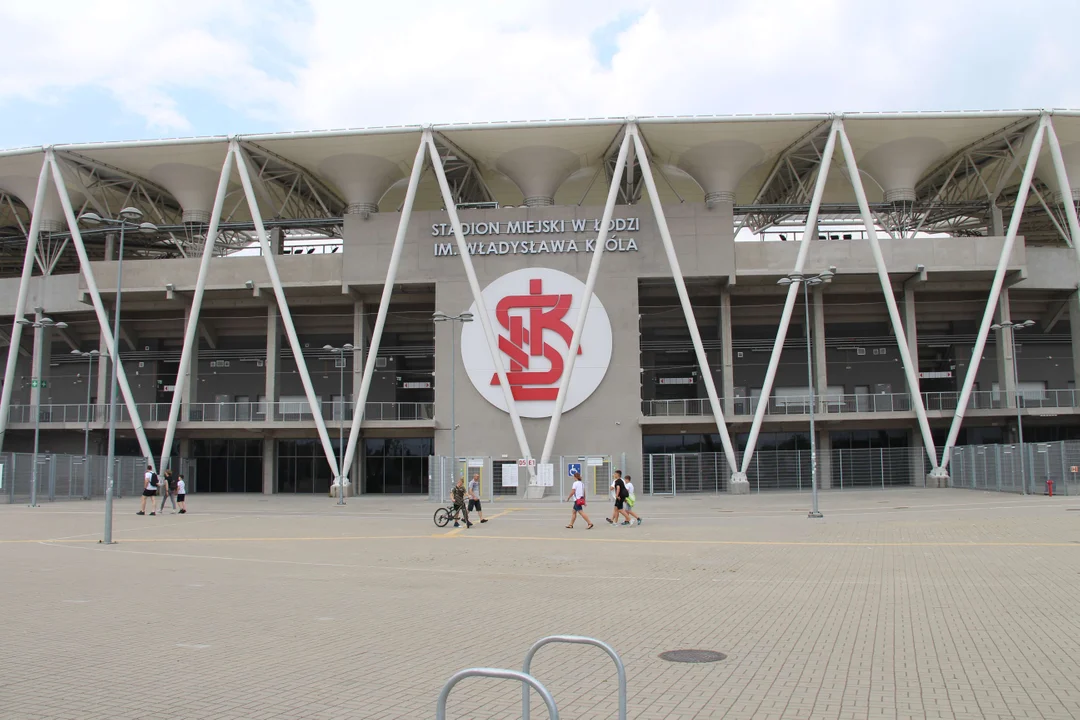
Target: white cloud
(333, 63)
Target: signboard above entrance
(540, 246)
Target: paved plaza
(898, 604)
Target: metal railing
(849, 403)
(222, 412)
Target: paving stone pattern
(898, 604)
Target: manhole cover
(692, 656)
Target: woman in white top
(577, 491)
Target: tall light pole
(340, 352)
(439, 316)
(809, 281)
(37, 383)
(127, 221)
(1012, 327)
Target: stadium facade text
(531, 227)
(534, 247)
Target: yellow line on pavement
(780, 543)
(458, 530)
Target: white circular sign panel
(533, 312)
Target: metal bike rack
(522, 677)
(573, 640)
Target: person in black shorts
(474, 497)
(149, 492)
(181, 493)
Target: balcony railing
(223, 412)
(847, 404)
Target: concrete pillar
(273, 356)
(727, 353)
(911, 330)
(277, 240)
(997, 221)
(110, 247)
(269, 464)
(191, 382)
(824, 454)
(184, 451)
(1004, 348)
(39, 362)
(821, 369)
(1074, 334)
(103, 377)
(359, 342)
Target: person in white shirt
(150, 486)
(631, 500)
(577, 492)
(181, 494)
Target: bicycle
(444, 515)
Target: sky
(95, 70)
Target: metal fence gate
(998, 467)
(72, 477)
(659, 469)
(443, 473)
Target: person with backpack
(168, 492)
(150, 486)
(631, 500)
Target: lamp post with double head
(37, 383)
(340, 352)
(128, 220)
(1012, 327)
(809, 281)
(463, 318)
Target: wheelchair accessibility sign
(572, 468)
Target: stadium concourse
(694, 301)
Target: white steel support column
(995, 292)
(911, 368)
(283, 307)
(191, 331)
(1063, 182)
(737, 484)
(20, 302)
(384, 303)
(586, 301)
(478, 298)
(809, 233)
(99, 308)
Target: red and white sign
(533, 312)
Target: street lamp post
(127, 221)
(42, 323)
(1012, 328)
(340, 352)
(465, 317)
(809, 281)
(90, 355)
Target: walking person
(620, 504)
(150, 487)
(577, 492)
(181, 493)
(631, 500)
(458, 496)
(168, 491)
(474, 497)
(615, 477)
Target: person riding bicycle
(458, 495)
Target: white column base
(938, 478)
(738, 484)
(336, 485)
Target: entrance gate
(660, 473)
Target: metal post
(809, 231)
(86, 430)
(590, 286)
(384, 302)
(111, 454)
(20, 302)
(34, 462)
(814, 511)
(453, 401)
(995, 291)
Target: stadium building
(270, 285)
